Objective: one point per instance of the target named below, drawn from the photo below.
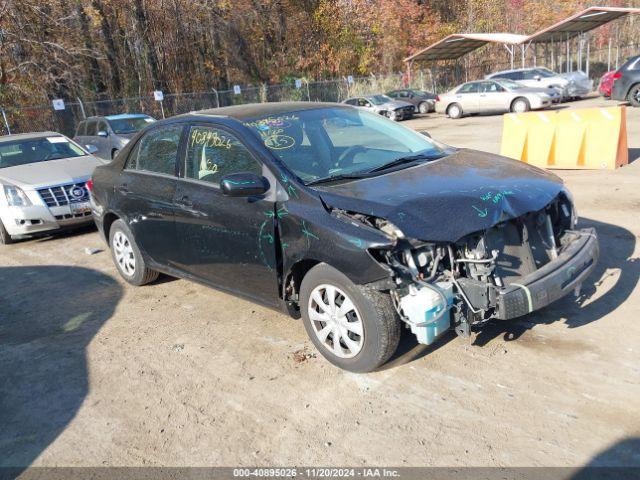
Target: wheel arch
(449, 105)
(107, 221)
(631, 87)
(293, 281)
(516, 99)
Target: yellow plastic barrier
(589, 138)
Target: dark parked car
(626, 82)
(424, 102)
(353, 222)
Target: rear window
(130, 125)
(632, 64)
(34, 150)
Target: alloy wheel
(335, 321)
(519, 107)
(123, 252)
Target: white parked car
(43, 184)
(489, 96)
(571, 85)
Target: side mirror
(103, 133)
(91, 149)
(244, 185)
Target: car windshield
(33, 150)
(327, 143)
(509, 84)
(129, 125)
(379, 99)
(543, 72)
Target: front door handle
(185, 201)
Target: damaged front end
(503, 272)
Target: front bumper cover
(551, 282)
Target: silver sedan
(488, 96)
(43, 184)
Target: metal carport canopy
(581, 22)
(459, 44)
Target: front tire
(127, 257)
(5, 238)
(634, 96)
(520, 105)
(114, 152)
(355, 328)
(454, 111)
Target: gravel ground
(94, 372)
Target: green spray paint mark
(282, 211)
(291, 190)
(357, 242)
(481, 213)
(308, 233)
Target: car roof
(516, 70)
(28, 136)
(252, 110)
(126, 115)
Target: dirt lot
(94, 372)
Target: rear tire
(370, 320)
(634, 96)
(127, 257)
(5, 238)
(423, 107)
(520, 105)
(454, 111)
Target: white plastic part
(423, 310)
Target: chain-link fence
(438, 79)
(44, 117)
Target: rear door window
(469, 88)
(157, 151)
(80, 131)
(92, 128)
(102, 127)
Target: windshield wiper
(332, 178)
(407, 159)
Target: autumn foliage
(120, 48)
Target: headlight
(15, 196)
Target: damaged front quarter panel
(308, 235)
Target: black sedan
(626, 82)
(356, 224)
(424, 102)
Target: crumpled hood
(393, 105)
(446, 199)
(51, 172)
(578, 77)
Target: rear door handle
(185, 201)
(123, 188)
